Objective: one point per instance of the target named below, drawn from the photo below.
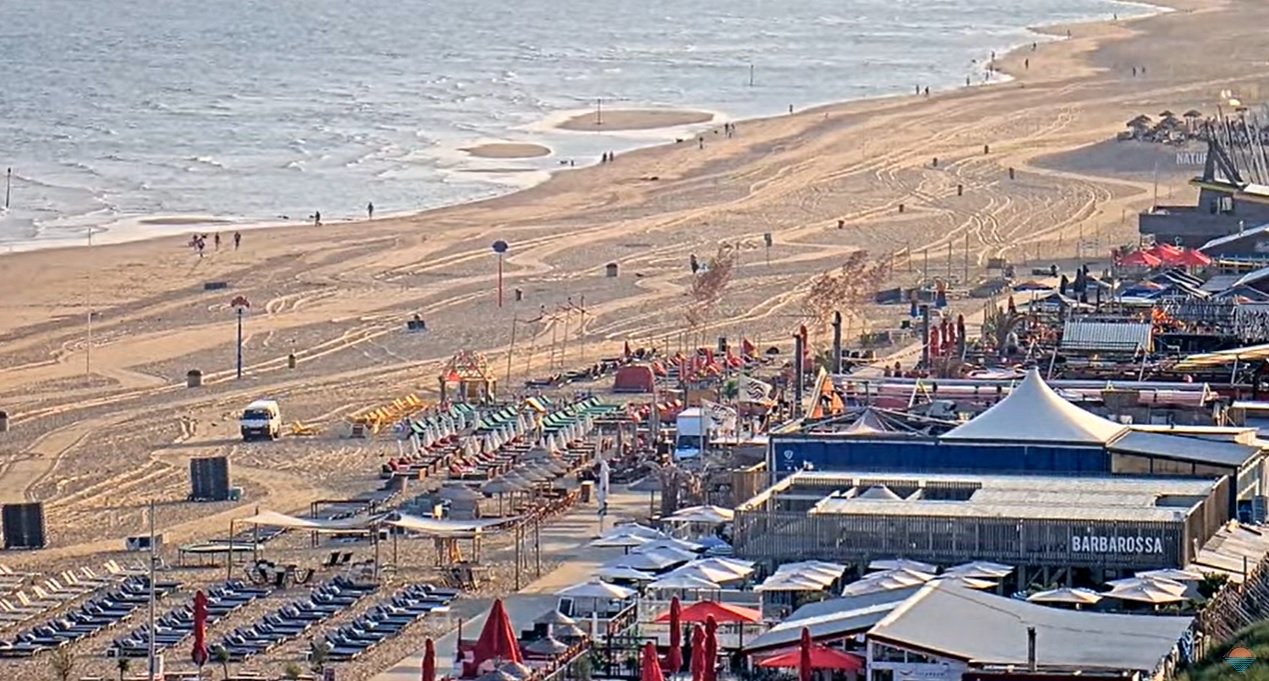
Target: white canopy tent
(595, 588)
(712, 515)
(788, 581)
(652, 561)
(706, 572)
(893, 564)
(672, 543)
(625, 574)
(1033, 412)
(685, 581)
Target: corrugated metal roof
(950, 620)
(1180, 448)
(833, 618)
(969, 509)
(1118, 336)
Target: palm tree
(123, 664)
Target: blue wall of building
(933, 456)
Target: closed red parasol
(711, 649)
(650, 664)
(804, 656)
(698, 653)
(497, 639)
(675, 658)
(429, 661)
(199, 652)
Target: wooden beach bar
(1042, 524)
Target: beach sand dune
(634, 119)
(101, 427)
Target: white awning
(436, 527)
(275, 519)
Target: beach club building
(1035, 431)
(1053, 529)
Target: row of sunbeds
(56, 592)
(99, 613)
(386, 620)
(175, 625)
(292, 620)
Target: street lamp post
(500, 250)
(240, 305)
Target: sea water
(265, 111)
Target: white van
(261, 419)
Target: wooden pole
(511, 347)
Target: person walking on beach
(370, 211)
(216, 240)
(317, 218)
(237, 240)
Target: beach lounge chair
(301, 428)
(42, 604)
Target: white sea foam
(356, 102)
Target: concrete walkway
(563, 539)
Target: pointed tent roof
(868, 423)
(1033, 412)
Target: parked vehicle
(261, 419)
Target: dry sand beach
(96, 435)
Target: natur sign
(1094, 544)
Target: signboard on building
(1103, 544)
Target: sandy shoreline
(99, 429)
(630, 120)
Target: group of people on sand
(198, 242)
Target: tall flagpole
(153, 560)
(88, 297)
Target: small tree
(63, 664)
(221, 656)
(292, 671)
(123, 663)
(582, 668)
(318, 654)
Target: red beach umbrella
(497, 638)
(804, 656)
(675, 658)
(650, 666)
(701, 611)
(1192, 258)
(711, 649)
(429, 661)
(1139, 259)
(822, 657)
(698, 654)
(199, 652)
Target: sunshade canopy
(722, 612)
(822, 657)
